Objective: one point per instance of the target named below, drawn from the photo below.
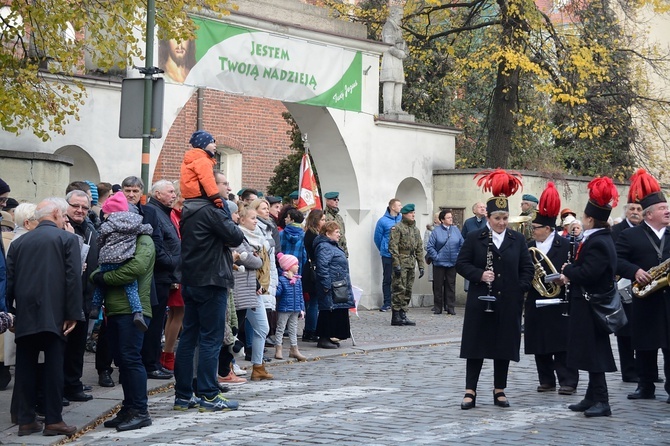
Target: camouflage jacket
(405, 245)
(333, 215)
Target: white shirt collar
(497, 238)
(658, 233)
(545, 246)
(630, 224)
(589, 232)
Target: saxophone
(550, 289)
(660, 276)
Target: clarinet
(489, 267)
(571, 256)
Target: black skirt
(334, 324)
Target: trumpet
(549, 289)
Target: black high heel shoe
(499, 402)
(470, 404)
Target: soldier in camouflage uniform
(406, 249)
(528, 209)
(332, 214)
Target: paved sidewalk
(371, 330)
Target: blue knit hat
(94, 192)
(201, 139)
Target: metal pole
(148, 94)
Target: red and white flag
(309, 191)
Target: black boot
(5, 376)
(396, 319)
(598, 410)
(135, 420)
(405, 319)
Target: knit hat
(286, 261)
(94, 193)
(603, 196)
(502, 184)
(550, 203)
(4, 187)
(232, 206)
(115, 203)
(201, 139)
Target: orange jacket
(197, 177)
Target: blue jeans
(312, 313)
(125, 342)
(387, 269)
(258, 319)
(203, 327)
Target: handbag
(607, 309)
(340, 292)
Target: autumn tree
(44, 46)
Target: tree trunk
(501, 124)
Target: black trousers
(103, 354)
(27, 352)
(626, 357)
(474, 367)
(646, 364)
(151, 348)
(550, 362)
(73, 364)
(444, 287)
(597, 388)
(225, 359)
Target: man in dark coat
(623, 337)
(639, 249)
(546, 327)
(79, 204)
(166, 272)
(47, 310)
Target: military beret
(331, 195)
(294, 195)
(259, 194)
(529, 197)
(409, 207)
(241, 191)
(272, 199)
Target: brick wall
(252, 126)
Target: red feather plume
(641, 185)
(499, 182)
(550, 201)
(602, 191)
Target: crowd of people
(179, 286)
(215, 274)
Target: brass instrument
(660, 278)
(518, 222)
(547, 290)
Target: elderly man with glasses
(79, 203)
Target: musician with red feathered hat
(496, 262)
(546, 326)
(640, 249)
(593, 272)
(624, 339)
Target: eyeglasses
(80, 207)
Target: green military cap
(409, 207)
(294, 195)
(259, 194)
(241, 191)
(273, 200)
(331, 195)
(529, 197)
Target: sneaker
(239, 371)
(184, 404)
(231, 379)
(217, 403)
(385, 308)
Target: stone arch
(410, 190)
(84, 166)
